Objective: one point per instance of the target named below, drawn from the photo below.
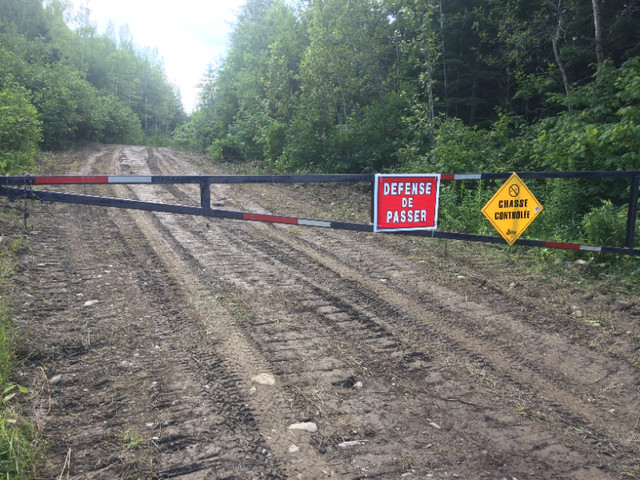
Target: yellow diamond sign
(512, 209)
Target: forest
(363, 86)
(369, 85)
(62, 86)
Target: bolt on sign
(512, 209)
(405, 202)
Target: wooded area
(60, 87)
(366, 85)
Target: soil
(170, 346)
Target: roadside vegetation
(62, 84)
(19, 443)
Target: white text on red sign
(406, 202)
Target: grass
(19, 448)
(17, 437)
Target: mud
(414, 358)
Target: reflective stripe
(314, 223)
(129, 179)
(270, 218)
(567, 246)
(70, 179)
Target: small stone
(293, 449)
(306, 426)
(435, 425)
(89, 303)
(56, 379)
(358, 385)
(576, 312)
(351, 443)
(264, 379)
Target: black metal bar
(632, 211)
(277, 179)
(163, 179)
(521, 241)
(47, 196)
(541, 175)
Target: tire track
(268, 405)
(373, 336)
(140, 363)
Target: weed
(131, 439)
(17, 452)
(19, 444)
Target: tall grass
(18, 450)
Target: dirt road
(168, 346)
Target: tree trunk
(556, 50)
(597, 22)
(431, 99)
(444, 59)
(474, 95)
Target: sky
(190, 35)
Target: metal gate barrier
(21, 187)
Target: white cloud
(189, 34)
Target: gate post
(205, 194)
(632, 211)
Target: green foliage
(18, 452)
(460, 207)
(119, 123)
(606, 225)
(602, 129)
(6, 353)
(20, 131)
(84, 87)
(364, 86)
(130, 438)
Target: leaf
(8, 388)
(8, 397)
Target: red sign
(406, 202)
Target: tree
(20, 131)
(597, 23)
(73, 77)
